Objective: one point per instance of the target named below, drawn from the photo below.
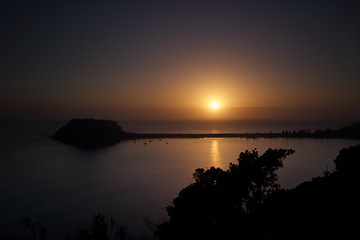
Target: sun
(214, 105)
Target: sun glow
(214, 105)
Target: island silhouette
(90, 133)
(94, 133)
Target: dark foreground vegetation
(91, 133)
(246, 202)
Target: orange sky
(170, 60)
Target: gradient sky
(171, 59)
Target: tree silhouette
(326, 207)
(101, 228)
(219, 204)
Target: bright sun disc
(214, 105)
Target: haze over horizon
(175, 59)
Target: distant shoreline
(349, 132)
(91, 133)
(316, 135)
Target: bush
(219, 204)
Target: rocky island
(90, 133)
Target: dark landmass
(91, 133)
(352, 131)
(245, 202)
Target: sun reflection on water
(215, 154)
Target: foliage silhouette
(101, 228)
(245, 202)
(326, 207)
(37, 230)
(219, 204)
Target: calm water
(62, 186)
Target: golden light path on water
(215, 154)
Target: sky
(173, 59)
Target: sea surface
(62, 186)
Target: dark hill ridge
(91, 133)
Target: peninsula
(92, 133)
